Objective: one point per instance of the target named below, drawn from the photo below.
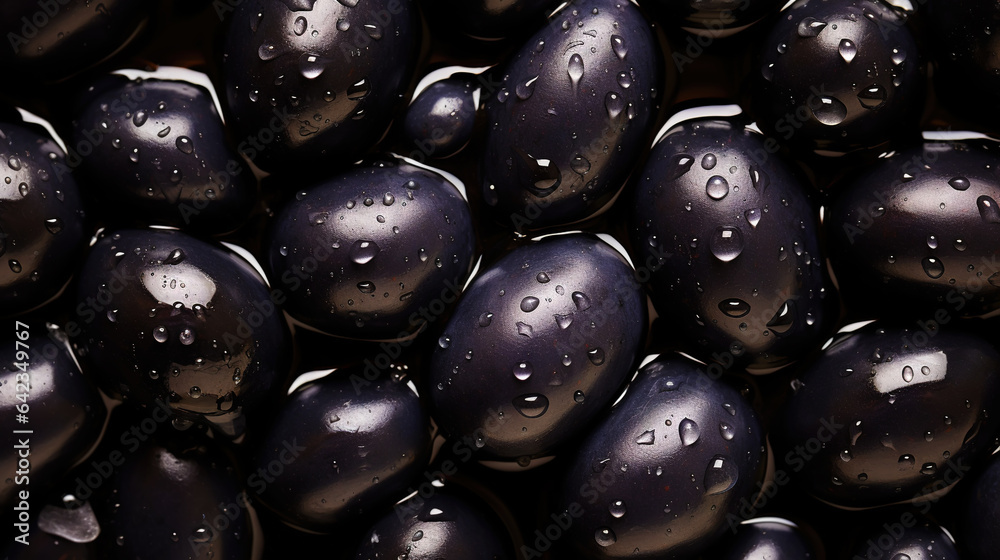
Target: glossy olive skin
(679, 440)
(168, 318)
(440, 120)
(964, 46)
(374, 251)
(443, 526)
(51, 41)
(978, 520)
(561, 140)
(173, 500)
(826, 77)
(920, 228)
(157, 147)
(716, 18)
(539, 345)
(309, 80)
(908, 536)
(770, 538)
(489, 19)
(348, 446)
(728, 237)
(901, 412)
(64, 410)
(42, 219)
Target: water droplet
(373, 30)
(646, 438)
(522, 371)
(564, 321)
(54, 225)
(202, 533)
(830, 111)
(810, 27)
(529, 304)
(727, 431)
(581, 301)
(605, 536)
(872, 97)
(988, 210)
(624, 80)
(160, 334)
(617, 509)
(717, 188)
(618, 45)
(596, 356)
(848, 50)
(267, 52)
(959, 183)
(898, 56)
(485, 319)
(299, 26)
(855, 432)
(783, 319)
(689, 431)
(359, 90)
(734, 307)
(727, 243)
(679, 165)
(907, 374)
(524, 89)
(363, 251)
(720, 476)
(366, 287)
(133, 156)
(531, 405)
(932, 242)
(575, 69)
(578, 397)
(928, 468)
(753, 217)
(184, 145)
(933, 267)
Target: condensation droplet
(848, 50)
(689, 431)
